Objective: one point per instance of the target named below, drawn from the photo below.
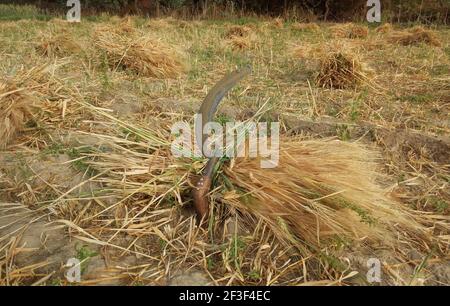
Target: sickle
(207, 111)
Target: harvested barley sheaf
(340, 70)
(239, 43)
(350, 30)
(141, 54)
(238, 31)
(239, 37)
(15, 103)
(414, 36)
(319, 189)
(315, 193)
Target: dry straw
(414, 36)
(15, 111)
(142, 54)
(239, 37)
(238, 31)
(337, 65)
(320, 189)
(58, 44)
(17, 100)
(239, 43)
(350, 30)
(339, 70)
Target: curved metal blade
(211, 102)
(206, 112)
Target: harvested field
(87, 170)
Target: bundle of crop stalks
(16, 103)
(350, 30)
(239, 37)
(385, 28)
(414, 36)
(321, 192)
(320, 189)
(144, 55)
(238, 31)
(239, 43)
(60, 44)
(24, 99)
(306, 26)
(340, 70)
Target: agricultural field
(86, 169)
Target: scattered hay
(385, 28)
(340, 70)
(350, 30)
(16, 103)
(239, 43)
(143, 55)
(306, 26)
(415, 36)
(58, 44)
(238, 31)
(239, 37)
(318, 190)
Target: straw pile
(16, 102)
(239, 43)
(350, 30)
(238, 31)
(415, 36)
(58, 44)
(320, 189)
(142, 54)
(14, 111)
(340, 70)
(239, 37)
